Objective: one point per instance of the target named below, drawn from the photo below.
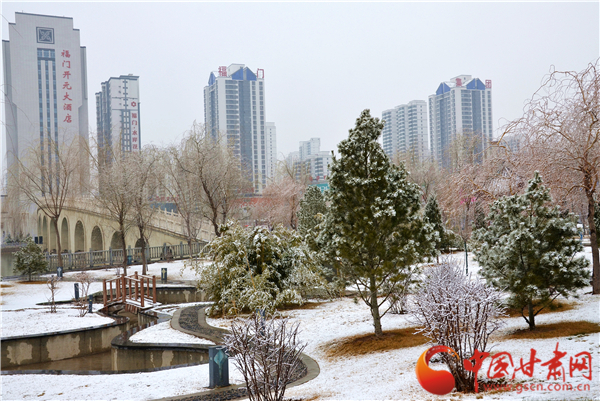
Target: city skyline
(325, 63)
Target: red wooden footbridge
(135, 292)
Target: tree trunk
(594, 244)
(374, 307)
(124, 253)
(531, 315)
(144, 262)
(58, 247)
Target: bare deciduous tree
(212, 168)
(114, 192)
(49, 175)
(85, 279)
(52, 284)
(144, 185)
(180, 184)
(562, 132)
(267, 352)
(280, 203)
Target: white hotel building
(45, 95)
(461, 106)
(45, 86)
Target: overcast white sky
(324, 62)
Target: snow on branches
(267, 352)
(457, 312)
(529, 249)
(259, 268)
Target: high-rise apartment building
(405, 130)
(311, 161)
(118, 114)
(45, 93)
(462, 106)
(234, 105)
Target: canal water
(96, 362)
(101, 361)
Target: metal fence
(114, 257)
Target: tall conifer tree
(373, 226)
(529, 250)
(311, 205)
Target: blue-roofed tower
(461, 106)
(234, 105)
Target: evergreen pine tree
(30, 259)
(434, 217)
(373, 227)
(311, 206)
(529, 250)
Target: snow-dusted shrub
(458, 312)
(529, 249)
(267, 352)
(258, 268)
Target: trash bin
(129, 260)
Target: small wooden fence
(134, 290)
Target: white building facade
(405, 130)
(118, 113)
(310, 160)
(234, 105)
(45, 87)
(461, 106)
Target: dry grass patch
(306, 305)
(368, 343)
(555, 306)
(562, 329)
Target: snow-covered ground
(385, 375)
(19, 301)
(163, 333)
(21, 315)
(176, 270)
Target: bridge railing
(114, 257)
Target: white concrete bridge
(84, 226)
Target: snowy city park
(400, 279)
(388, 373)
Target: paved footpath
(192, 320)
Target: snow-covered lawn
(176, 270)
(21, 315)
(163, 333)
(385, 375)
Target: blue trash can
(129, 260)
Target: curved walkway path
(192, 320)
